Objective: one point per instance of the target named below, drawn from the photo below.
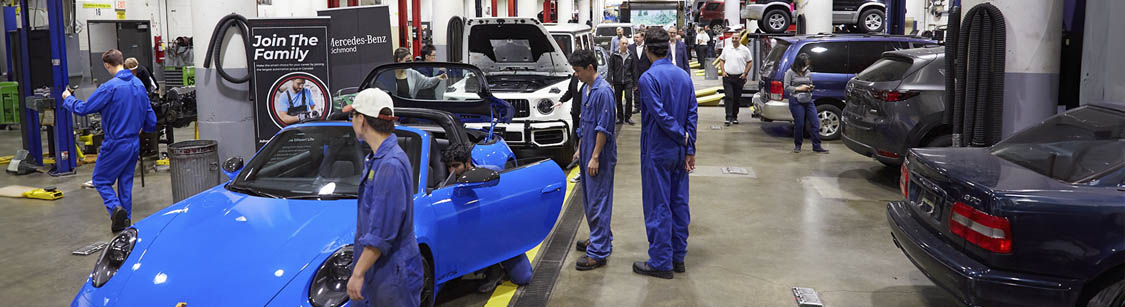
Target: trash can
(195, 167)
(709, 70)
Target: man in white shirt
(701, 42)
(736, 62)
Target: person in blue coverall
(125, 110)
(295, 103)
(597, 156)
(668, 131)
(388, 264)
(458, 158)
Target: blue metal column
(29, 120)
(896, 17)
(64, 120)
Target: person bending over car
(388, 264)
(457, 158)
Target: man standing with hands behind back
(668, 130)
(597, 156)
(388, 264)
(125, 110)
(736, 62)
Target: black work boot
(642, 267)
(119, 219)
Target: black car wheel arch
(1111, 296)
(428, 295)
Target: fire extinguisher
(158, 48)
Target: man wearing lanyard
(388, 264)
(125, 109)
(668, 130)
(296, 102)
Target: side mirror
(232, 166)
(478, 177)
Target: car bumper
(970, 281)
(533, 134)
(858, 145)
(772, 109)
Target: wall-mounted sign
(291, 73)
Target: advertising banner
(291, 73)
(359, 40)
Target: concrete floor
(805, 220)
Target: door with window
(829, 67)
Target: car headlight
(545, 106)
(113, 256)
(329, 286)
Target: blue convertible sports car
(1035, 220)
(280, 232)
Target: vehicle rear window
(827, 57)
(1072, 147)
(712, 6)
(769, 64)
(612, 31)
(564, 44)
(886, 69)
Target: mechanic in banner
(597, 158)
(388, 264)
(125, 110)
(667, 156)
(295, 102)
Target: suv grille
(522, 106)
(549, 137)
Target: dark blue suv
(1035, 220)
(835, 59)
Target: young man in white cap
(388, 264)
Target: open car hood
(465, 92)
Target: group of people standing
(654, 70)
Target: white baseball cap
(370, 102)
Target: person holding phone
(798, 84)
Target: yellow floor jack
(19, 191)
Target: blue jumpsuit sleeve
(98, 100)
(605, 120)
(666, 122)
(309, 99)
(150, 117)
(692, 123)
(388, 211)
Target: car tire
(831, 123)
(872, 20)
(941, 141)
(428, 295)
(1111, 296)
(775, 21)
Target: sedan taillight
(776, 89)
(992, 233)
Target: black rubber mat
(550, 263)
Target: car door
(829, 62)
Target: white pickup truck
(526, 68)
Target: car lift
(64, 148)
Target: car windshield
(770, 64)
(1072, 147)
(886, 69)
(306, 161)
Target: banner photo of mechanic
(291, 73)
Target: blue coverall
(299, 100)
(125, 111)
(385, 221)
(597, 191)
(668, 112)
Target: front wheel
(428, 295)
(775, 21)
(830, 124)
(871, 21)
(1111, 296)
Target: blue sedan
(280, 232)
(1035, 220)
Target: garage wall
(1103, 77)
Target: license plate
(930, 204)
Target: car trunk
(865, 92)
(769, 70)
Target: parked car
(280, 232)
(1035, 220)
(711, 12)
(527, 68)
(604, 33)
(897, 104)
(572, 36)
(775, 16)
(835, 59)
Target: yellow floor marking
(504, 292)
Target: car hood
(230, 249)
(979, 167)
